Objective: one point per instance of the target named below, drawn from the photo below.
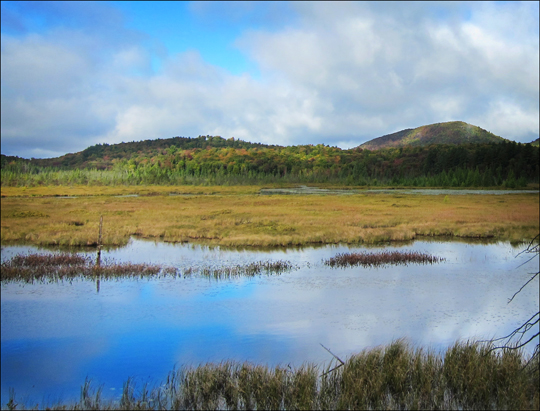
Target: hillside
(453, 132)
(102, 156)
(452, 154)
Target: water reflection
(54, 335)
(303, 190)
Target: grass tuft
(246, 270)
(385, 257)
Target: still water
(54, 335)
(419, 191)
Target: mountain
(536, 142)
(214, 161)
(453, 132)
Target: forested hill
(507, 164)
(454, 154)
(453, 132)
(102, 156)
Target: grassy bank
(236, 216)
(467, 376)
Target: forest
(213, 160)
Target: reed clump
(468, 376)
(242, 270)
(65, 266)
(382, 258)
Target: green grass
(467, 376)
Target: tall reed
(468, 376)
(65, 266)
(382, 258)
(242, 270)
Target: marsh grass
(382, 258)
(242, 270)
(232, 217)
(124, 190)
(468, 376)
(65, 266)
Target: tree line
(214, 160)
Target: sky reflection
(54, 335)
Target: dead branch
(336, 357)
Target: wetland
(251, 283)
(240, 216)
(57, 333)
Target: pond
(53, 335)
(419, 191)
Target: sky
(75, 74)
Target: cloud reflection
(143, 328)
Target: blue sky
(76, 74)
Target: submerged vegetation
(64, 266)
(385, 257)
(467, 376)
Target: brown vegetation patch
(27, 214)
(239, 270)
(232, 220)
(386, 257)
(65, 266)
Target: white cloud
(511, 120)
(338, 74)
(372, 65)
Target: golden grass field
(239, 216)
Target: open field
(143, 190)
(238, 216)
(467, 376)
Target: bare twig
(336, 357)
(514, 340)
(532, 258)
(530, 248)
(523, 286)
